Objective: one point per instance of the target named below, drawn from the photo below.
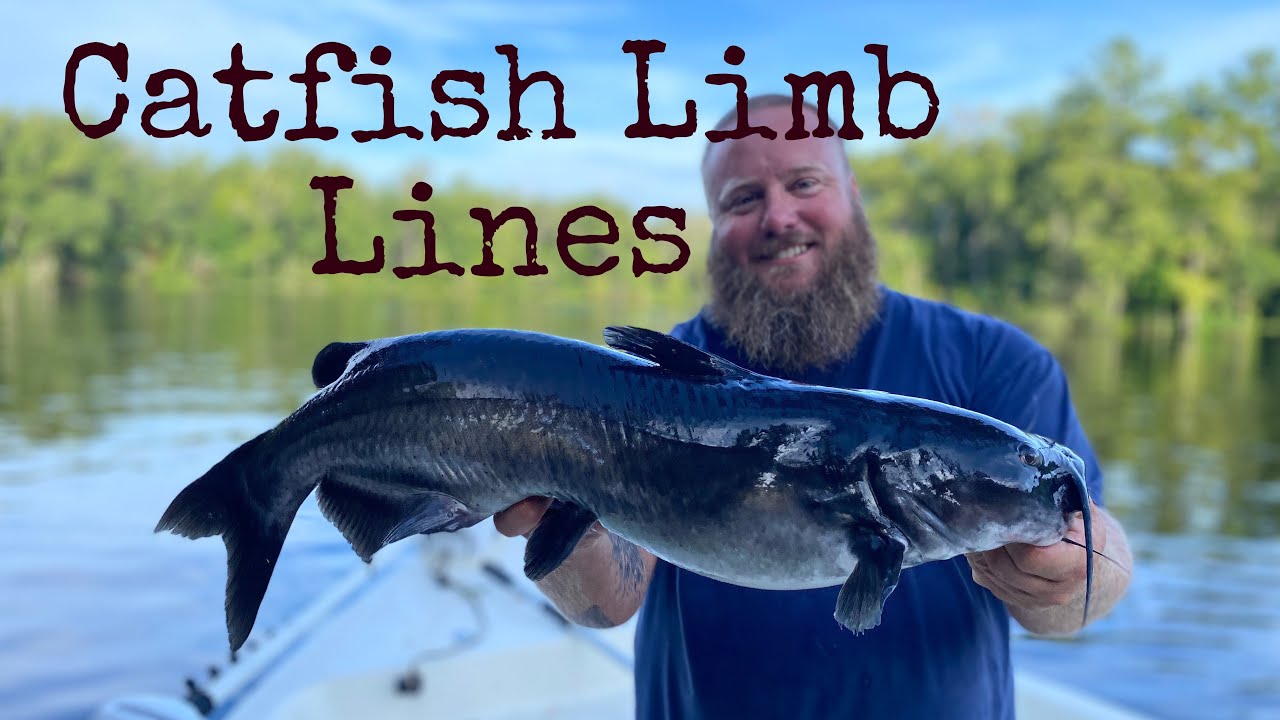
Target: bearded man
(795, 294)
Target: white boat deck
(472, 646)
(448, 626)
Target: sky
(982, 63)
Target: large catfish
(735, 475)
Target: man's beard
(809, 328)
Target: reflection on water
(110, 403)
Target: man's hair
(761, 102)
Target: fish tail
(219, 503)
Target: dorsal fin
(331, 362)
(670, 353)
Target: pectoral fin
(862, 596)
(562, 526)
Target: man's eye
(740, 202)
(804, 184)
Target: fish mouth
(1064, 472)
(1071, 495)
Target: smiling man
(792, 262)
(795, 294)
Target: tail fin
(219, 504)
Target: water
(111, 403)
(1198, 635)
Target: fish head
(1048, 487)
(983, 491)
(1062, 478)
(1059, 477)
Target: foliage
(1118, 197)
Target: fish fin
(670, 353)
(218, 504)
(373, 515)
(332, 361)
(555, 537)
(863, 595)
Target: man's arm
(601, 584)
(1044, 587)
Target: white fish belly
(766, 542)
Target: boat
(448, 626)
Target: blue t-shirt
(707, 649)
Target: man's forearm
(1110, 582)
(603, 582)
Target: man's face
(778, 207)
(792, 262)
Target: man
(795, 294)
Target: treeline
(1119, 196)
(77, 213)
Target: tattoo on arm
(593, 617)
(570, 589)
(630, 565)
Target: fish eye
(1029, 455)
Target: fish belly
(767, 543)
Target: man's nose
(780, 216)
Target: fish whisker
(1099, 553)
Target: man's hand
(521, 518)
(600, 584)
(1044, 587)
(1035, 577)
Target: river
(110, 402)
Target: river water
(112, 402)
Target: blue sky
(982, 62)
